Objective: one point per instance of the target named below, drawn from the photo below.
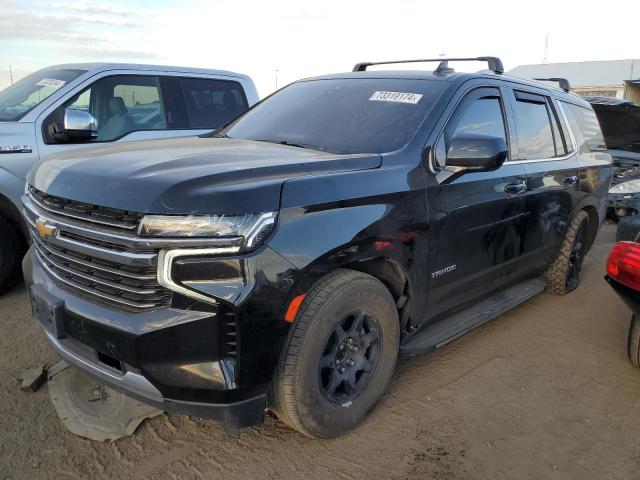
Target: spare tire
(628, 228)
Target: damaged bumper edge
(166, 377)
(241, 414)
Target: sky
(306, 38)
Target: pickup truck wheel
(563, 275)
(339, 357)
(633, 347)
(11, 250)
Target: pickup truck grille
(96, 258)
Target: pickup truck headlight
(631, 186)
(253, 228)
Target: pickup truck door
(130, 107)
(477, 221)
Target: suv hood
(620, 123)
(186, 175)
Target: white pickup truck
(71, 106)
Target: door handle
(570, 180)
(515, 188)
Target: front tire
(563, 275)
(339, 357)
(633, 347)
(11, 252)
(628, 229)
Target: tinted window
(585, 128)
(21, 97)
(121, 105)
(535, 137)
(212, 103)
(481, 116)
(354, 115)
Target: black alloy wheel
(350, 357)
(339, 355)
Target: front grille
(87, 257)
(110, 217)
(131, 287)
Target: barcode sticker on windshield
(398, 97)
(51, 82)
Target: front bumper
(235, 415)
(174, 359)
(624, 200)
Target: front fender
(332, 221)
(324, 213)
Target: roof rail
(495, 64)
(563, 83)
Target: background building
(607, 78)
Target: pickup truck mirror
(79, 125)
(476, 152)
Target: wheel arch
(589, 204)
(387, 268)
(594, 222)
(393, 276)
(9, 211)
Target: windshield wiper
(294, 144)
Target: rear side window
(533, 123)
(585, 128)
(212, 103)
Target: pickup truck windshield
(352, 115)
(19, 98)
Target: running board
(448, 329)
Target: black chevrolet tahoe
(287, 259)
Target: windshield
(19, 98)
(356, 115)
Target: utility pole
(546, 48)
(10, 74)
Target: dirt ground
(544, 391)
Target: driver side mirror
(79, 126)
(474, 152)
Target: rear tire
(339, 357)
(11, 252)
(563, 275)
(633, 347)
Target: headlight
(632, 186)
(253, 228)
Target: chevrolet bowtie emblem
(43, 229)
